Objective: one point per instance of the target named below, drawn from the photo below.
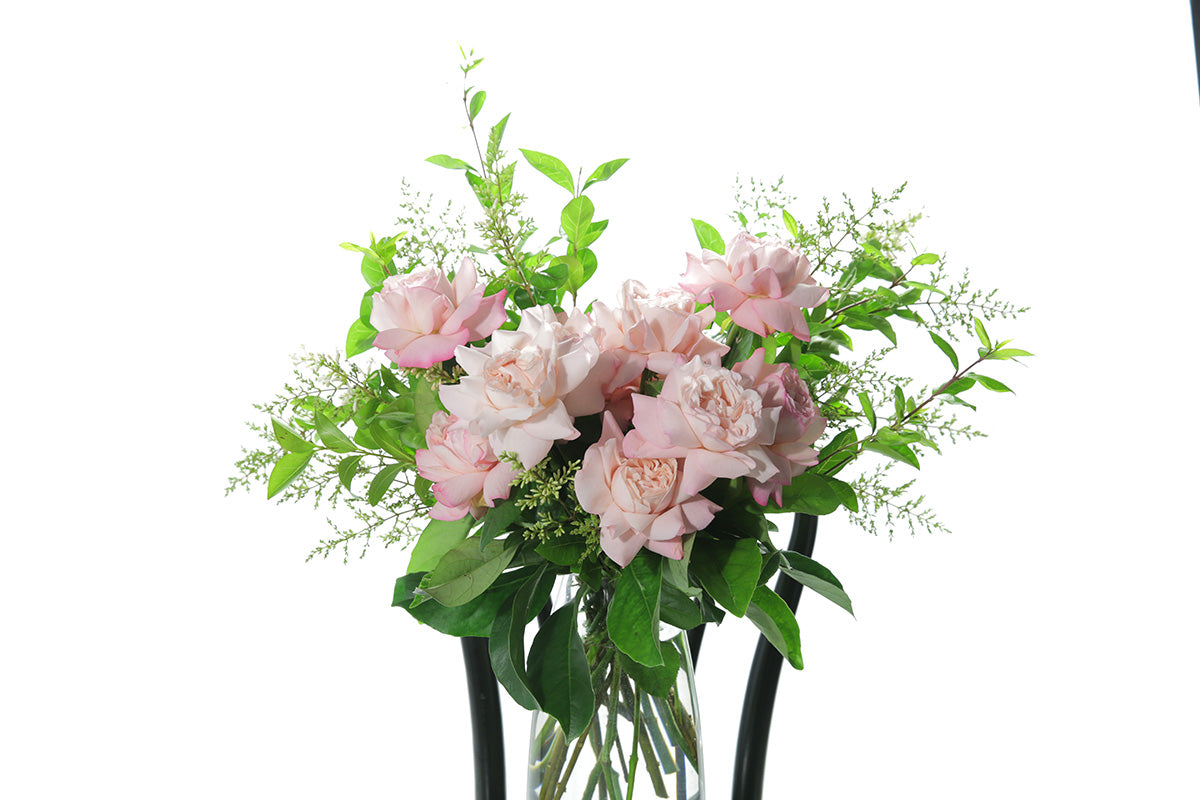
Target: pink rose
(662, 329)
(465, 472)
(421, 317)
(712, 418)
(639, 500)
(515, 385)
(800, 424)
(761, 283)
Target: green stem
(633, 754)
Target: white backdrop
(175, 182)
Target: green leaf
(466, 571)
(899, 452)
(552, 168)
(789, 222)
(657, 680)
(289, 439)
(360, 338)
(382, 482)
(925, 258)
(983, 336)
(945, 348)
(425, 404)
(577, 217)
(438, 538)
(817, 494)
(472, 618)
(592, 233)
(449, 162)
(558, 672)
(1010, 352)
(498, 520)
(728, 570)
(506, 645)
(959, 386)
(989, 383)
(347, 468)
(285, 471)
(566, 551)
(476, 104)
(864, 400)
(804, 570)
(771, 615)
(331, 436)
(709, 238)
(575, 273)
(676, 608)
(604, 172)
(633, 612)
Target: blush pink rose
(800, 424)
(466, 474)
(639, 500)
(515, 385)
(421, 317)
(710, 417)
(660, 329)
(763, 284)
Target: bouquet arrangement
(635, 446)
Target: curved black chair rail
(751, 755)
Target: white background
(175, 182)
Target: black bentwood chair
(751, 755)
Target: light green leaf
(789, 222)
(551, 167)
(476, 104)
(449, 162)
(864, 400)
(959, 386)
(604, 172)
(466, 571)
(360, 339)
(899, 452)
(925, 258)
(438, 538)
(558, 672)
(728, 570)
(633, 613)
(289, 439)
(285, 471)
(592, 233)
(331, 436)
(983, 335)
(989, 383)
(709, 238)
(382, 482)
(771, 615)
(347, 468)
(804, 570)
(577, 217)
(1010, 352)
(945, 348)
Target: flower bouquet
(620, 457)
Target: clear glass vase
(645, 731)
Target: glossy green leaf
(604, 172)
(360, 338)
(438, 538)
(945, 348)
(286, 470)
(331, 436)
(577, 217)
(817, 494)
(506, 645)
(449, 162)
(382, 482)
(634, 612)
(959, 386)
(592, 233)
(982, 333)
(551, 167)
(709, 238)
(807, 572)
(658, 680)
(474, 617)
(900, 452)
(347, 468)
(990, 384)
(864, 400)
(789, 222)
(565, 551)
(1010, 352)
(771, 615)
(925, 258)
(466, 571)
(476, 104)
(498, 520)
(676, 608)
(558, 672)
(289, 439)
(728, 570)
